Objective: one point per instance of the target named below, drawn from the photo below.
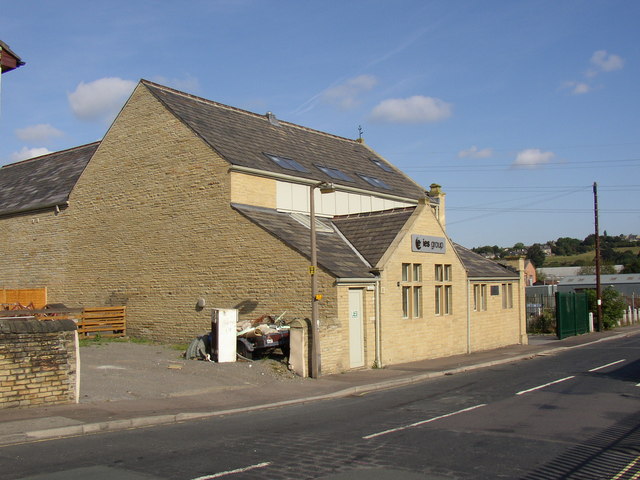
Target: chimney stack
(437, 200)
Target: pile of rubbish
(258, 337)
(260, 326)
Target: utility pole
(598, 288)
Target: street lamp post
(315, 335)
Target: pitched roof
(244, 138)
(479, 267)
(42, 182)
(615, 279)
(372, 233)
(334, 254)
(8, 60)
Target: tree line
(612, 251)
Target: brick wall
(150, 226)
(496, 326)
(37, 362)
(430, 335)
(253, 190)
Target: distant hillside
(581, 259)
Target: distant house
(556, 274)
(626, 284)
(8, 60)
(187, 201)
(530, 277)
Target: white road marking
(607, 365)
(629, 466)
(545, 385)
(392, 430)
(231, 472)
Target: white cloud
(532, 158)
(581, 88)
(604, 62)
(473, 152)
(578, 88)
(345, 95)
(38, 133)
(416, 109)
(26, 153)
(100, 100)
(601, 62)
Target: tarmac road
(128, 385)
(565, 414)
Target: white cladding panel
(292, 197)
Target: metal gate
(572, 314)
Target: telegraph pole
(598, 288)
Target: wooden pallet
(103, 321)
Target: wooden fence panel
(104, 321)
(24, 296)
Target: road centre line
(231, 472)
(545, 385)
(607, 365)
(422, 422)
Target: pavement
(129, 385)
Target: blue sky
(515, 107)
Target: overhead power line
(492, 167)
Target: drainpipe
(377, 324)
(468, 315)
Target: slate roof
(243, 138)
(42, 182)
(479, 267)
(334, 254)
(372, 233)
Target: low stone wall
(38, 362)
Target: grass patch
(98, 340)
(581, 259)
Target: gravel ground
(124, 371)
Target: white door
(356, 329)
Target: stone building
(186, 200)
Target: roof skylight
(288, 163)
(335, 173)
(375, 182)
(381, 164)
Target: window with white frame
(479, 297)
(412, 290)
(443, 294)
(507, 295)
